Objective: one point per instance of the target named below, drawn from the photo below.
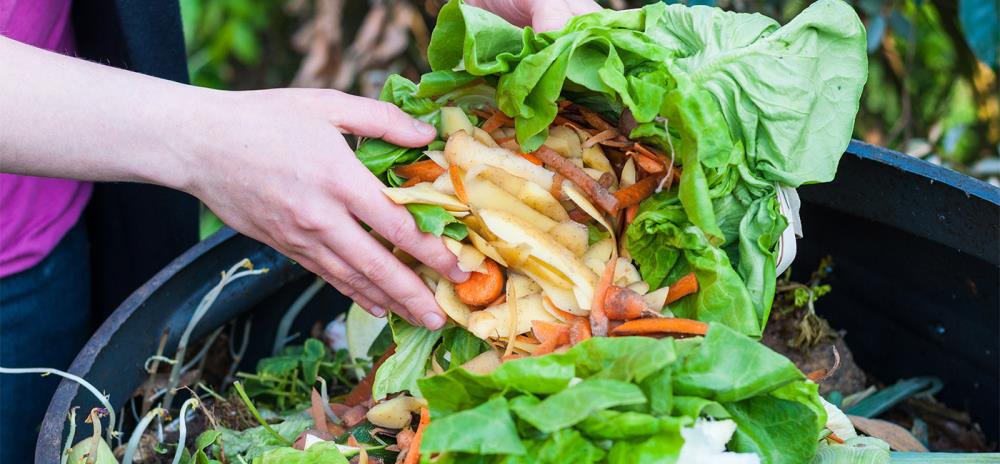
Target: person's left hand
(542, 15)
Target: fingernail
(432, 320)
(458, 276)
(377, 311)
(424, 128)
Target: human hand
(542, 15)
(274, 166)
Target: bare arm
(273, 164)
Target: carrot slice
(630, 213)
(534, 159)
(600, 137)
(496, 121)
(660, 326)
(456, 181)
(363, 390)
(647, 163)
(546, 347)
(426, 171)
(598, 318)
(594, 191)
(624, 304)
(411, 182)
(635, 193)
(545, 330)
(413, 455)
(481, 289)
(579, 330)
(683, 287)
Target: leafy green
(256, 441)
(777, 430)
(485, 429)
(401, 370)
(379, 156)
(285, 381)
(435, 220)
(621, 399)
(319, 453)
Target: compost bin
(916, 289)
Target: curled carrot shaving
(481, 289)
(595, 120)
(411, 182)
(456, 181)
(579, 330)
(496, 121)
(647, 163)
(661, 326)
(624, 304)
(545, 331)
(683, 287)
(594, 191)
(546, 347)
(556, 190)
(630, 213)
(833, 437)
(534, 159)
(317, 413)
(413, 455)
(426, 171)
(598, 318)
(600, 137)
(635, 193)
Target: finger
(396, 224)
(364, 253)
(551, 16)
(381, 120)
(353, 284)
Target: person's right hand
(275, 167)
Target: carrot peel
(456, 182)
(683, 287)
(481, 289)
(598, 318)
(623, 304)
(413, 454)
(424, 171)
(661, 326)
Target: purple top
(36, 212)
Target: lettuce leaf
(484, 429)
(401, 370)
(435, 220)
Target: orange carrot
(635, 193)
(481, 289)
(500, 300)
(456, 181)
(426, 171)
(630, 213)
(579, 330)
(413, 455)
(683, 287)
(534, 159)
(661, 326)
(579, 215)
(496, 121)
(411, 182)
(556, 190)
(363, 390)
(592, 118)
(648, 164)
(511, 357)
(598, 318)
(817, 374)
(834, 438)
(545, 330)
(594, 191)
(624, 304)
(600, 137)
(546, 347)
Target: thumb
(381, 120)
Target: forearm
(66, 117)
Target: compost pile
(620, 191)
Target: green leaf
(567, 446)
(319, 453)
(462, 345)
(485, 429)
(578, 402)
(379, 156)
(255, 441)
(401, 370)
(732, 367)
(436, 220)
(777, 430)
(658, 449)
(619, 425)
